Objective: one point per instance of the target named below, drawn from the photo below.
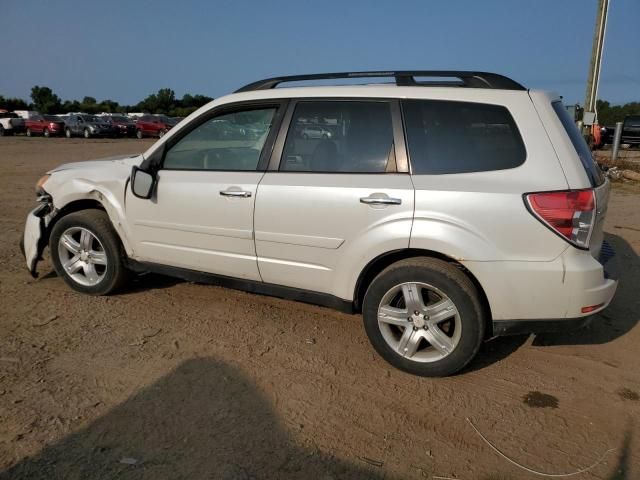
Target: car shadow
(205, 419)
(620, 317)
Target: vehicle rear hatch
(596, 177)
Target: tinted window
(632, 121)
(460, 137)
(231, 141)
(332, 136)
(590, 166)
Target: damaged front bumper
(36, 231)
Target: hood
(120, 160)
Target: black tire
(139, 134)
(46, 133)
(161, 133)
(86, 133)
(449, 280)
(98, 223)
(2, 132)
(29, 134)
(67, 132)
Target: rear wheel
(46, 133)
(29, 133)
(67, 132)
(87, 253)
(161, 133)
(86, 133)
(139, 134)
(424, 316)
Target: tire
(446, 286)
(2, 132)
(86, 133)
(67, 132)
(161, 133)
(46, 133)
(29, 133)
(139, 134)
(105, 246)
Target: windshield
(90, 118)
(37, 117)
(119, 119)
(51, 118)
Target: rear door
(329, 202)
(201, 215)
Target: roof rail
(403, 78)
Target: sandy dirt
(176, 380)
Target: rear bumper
(525, 327)
(543, 296)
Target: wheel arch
(88, 204)
(378, 264)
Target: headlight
(40, 185)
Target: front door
(337, 199)
(201, 214)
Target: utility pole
(595, 64)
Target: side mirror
(142, 183)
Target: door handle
(235, 193)
(380, 200)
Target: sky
(125, 50)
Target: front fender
(76, 190)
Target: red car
(153, 126)
(47, 125)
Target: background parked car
(47, 125)
(153, 126)
(313, 131)
(10, 123)
(88, 126)
(124, 126)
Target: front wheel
(46, 133)
(29, 133)
(424, 316)
(67, 133)
(86, 133)
(161, 133)
(139, 134)
(87, 253)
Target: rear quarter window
(591, 168)
(445, 137)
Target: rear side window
(579, 144)
(460, 137)
(339, 136)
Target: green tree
(44, 100)
(13, 104)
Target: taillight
(570, 214)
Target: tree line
(44, 100)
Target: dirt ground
(176, 380)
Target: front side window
(231, 141)
(460, 137)
(339, 136)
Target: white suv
(446, 211)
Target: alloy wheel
(419, 322)
(82, 256)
